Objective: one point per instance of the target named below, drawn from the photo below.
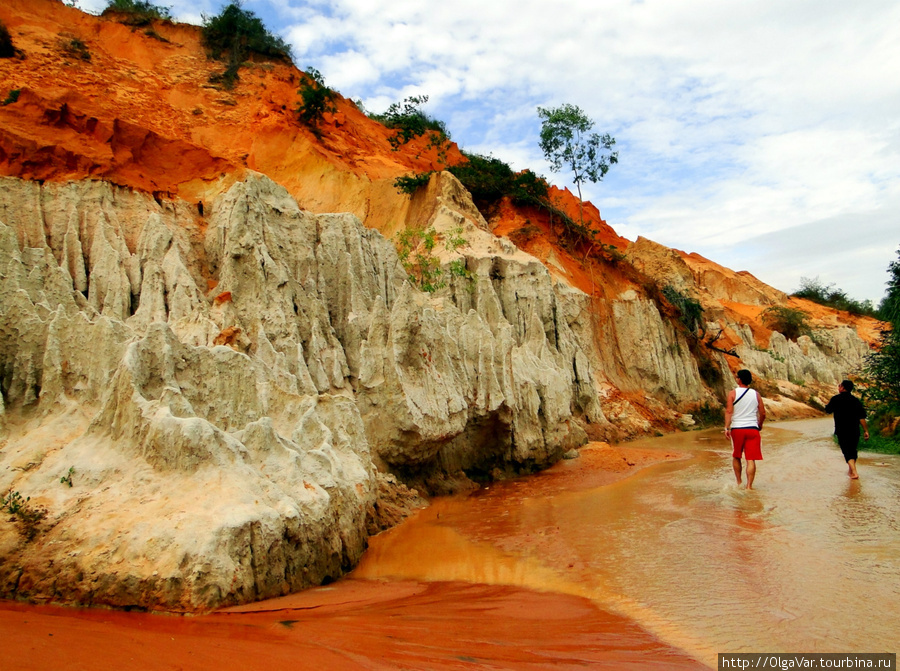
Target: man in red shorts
(744, 417)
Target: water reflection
(707, 566)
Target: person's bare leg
(852, 464)
(736, 465)
(751, 473)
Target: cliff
(214, 388)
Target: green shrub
(488, 179)
(690, 312)
(410, 184)
(789, 322)
(415, 249)
(141, 12)
(234, 35)
(11, 98)
(315, 100)
(830, 296)
(707, 415)
(529, 189)
(27, 516)
(7, 50)
(75, 48)
(408, 119)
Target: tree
(889, 308)
(567, 141)
(881, 371)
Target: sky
(762, 134)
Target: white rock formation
(206, 474)
(221, 390)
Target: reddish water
(669, 566)
(807, 562)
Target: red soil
(363, 624)
(355, 625)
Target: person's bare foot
(854, 476)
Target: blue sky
(762, 134)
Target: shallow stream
(556, 572)
(809, 561)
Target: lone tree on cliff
(567, 141)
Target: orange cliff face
(134, 106)
(141, 113)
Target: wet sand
(364, 624)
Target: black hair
(847, 385)
(745, 376)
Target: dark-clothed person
(849, 415)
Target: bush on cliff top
(410, 121)
(489, 179)
(830, 296)
(142, 11)
(234, 35)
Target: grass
(881, 445)
(877, 444)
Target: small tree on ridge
(567, 141)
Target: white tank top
(744, 416)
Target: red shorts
(746, 442)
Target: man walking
(744, 417)
(849, 414)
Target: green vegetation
(67, 478)
(880, 443)
(11, 98)
(7, 50)
(489, 179)
(408, 119)
(141, 12)
(27, 516)
(880, 376)
(690, 312)
(409, 184)
(789, 322)
(415, 248)
(236, 34)
(75, 48)
(529, 188)
(13, 502)
(707, 415)
(567, 141)
(315, 100)
(830, 296)
(889, 308)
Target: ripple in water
(807, 562)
